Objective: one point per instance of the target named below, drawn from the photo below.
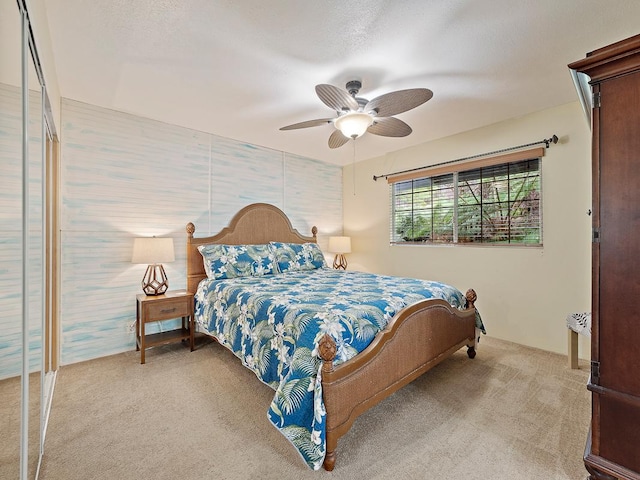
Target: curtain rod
(546, 141)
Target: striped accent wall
(11, 231)
(124, 176)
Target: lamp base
(340, 262)
(155, 280)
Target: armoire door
(618, 336)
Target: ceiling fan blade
(397, 102)
(389, 127)
(336, 98)
(337, 139)
(308, 123)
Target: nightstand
(171, 305)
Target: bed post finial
(327, 351)
(314, 232)
(471, 297)
(191, 228)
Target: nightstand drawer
(169, 309)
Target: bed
(332, 344)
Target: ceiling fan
(358, 115)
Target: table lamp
(340, 246)
(153, 251)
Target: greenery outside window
(496, 204)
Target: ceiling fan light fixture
(358, 115)
(353, 124)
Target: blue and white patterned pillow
(297, 256)
(229, 261)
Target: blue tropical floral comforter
(273, 324)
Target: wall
(124, 176)
(524, 294)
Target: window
(496, 204)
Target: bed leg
(329, 461)
(471, 352)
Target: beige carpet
(511, 413)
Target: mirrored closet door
(27, 241)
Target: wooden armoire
(613, 446)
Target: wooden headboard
(257, 223)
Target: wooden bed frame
(418, 338)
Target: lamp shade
(340, 244)
(152, 250)
(353, 124)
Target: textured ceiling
(243, 68)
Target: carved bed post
(327, 350)
(191, 228)
(471, 297)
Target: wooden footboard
(416, 339)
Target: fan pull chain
(353, 169)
